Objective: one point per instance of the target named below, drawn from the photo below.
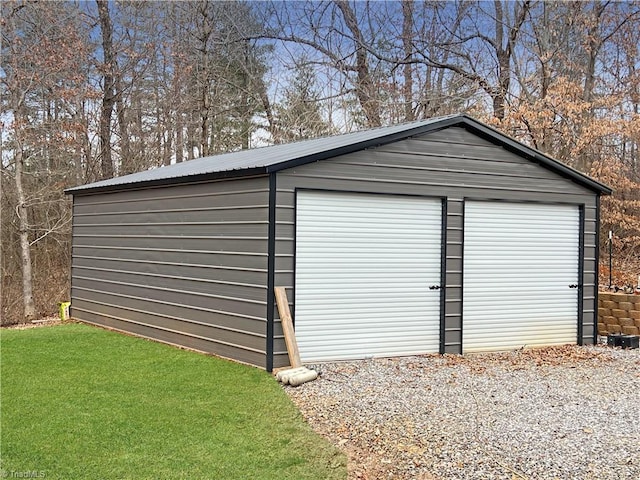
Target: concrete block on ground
(614, 328)
(604, 296)
(630, 330)
(625, 322)
(604, 312)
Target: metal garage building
(435, 236)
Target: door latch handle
(574, 285)
(435, 287)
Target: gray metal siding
(451, 163)
(183, 264)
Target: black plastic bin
(630, 341)
(614, 339)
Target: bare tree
(42, 57)
(469, 42)
(17, 110)
(407, 44)
(108, 96)
(332, 30)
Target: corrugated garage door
(519, 260)
(364, 265)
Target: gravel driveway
(561, 412)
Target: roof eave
(203, 177)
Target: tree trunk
(108, 98)
(83, 162)
(178, 102)
(504, 83)
(365, 87)
(21, 125)
(594, 42)
(23, 221)
(203, 32)
(167, 135)
(505, 40)
(245, 113)
(268, 108)
(503, 56)
(407, 36)
(179, 136)
(125, 143)
(192, 141)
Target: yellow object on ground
(64, 310)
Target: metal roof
(264, 160)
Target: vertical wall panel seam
(295, 249)
(271, 256)
(443, 272)
(73, 222)
(581, 271)
(597, 273)
(461, 299)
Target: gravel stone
(561, 412)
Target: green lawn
(81, 402)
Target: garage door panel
(373, 332)
(364, 276)
(384, 347)
(519, 260)
(533, 285)
(361, 304)
(506, 324)
(488, 310)
(511, 258)
(545, 293)
(363, 267)
(508, 305)
(369, 338)
(506, 276)
(534, 340)
(530, 335)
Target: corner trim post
(271, 271)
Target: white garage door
(364, 265)
(519, 263)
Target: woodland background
(94, 89)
